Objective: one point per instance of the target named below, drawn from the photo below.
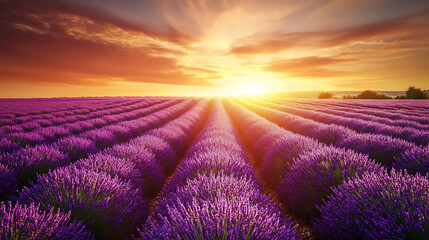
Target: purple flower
(220, 161)
(415, 160)
(377, 206)
(121, 133)
(280, 155)
(101, 137)
(30, 161)
(110, 207)
(29, 126)
(218, 207)
(113, 166)
(381, 148)
(165, 154)
(76, 147)
(256, 131)
(10, 129)
(6, 145)
(175, 136)
(144, 161)
(263, 144)
(8, 181)
(26, 139)
(79, 127)
(29, 222)
(53, 133)
(314, 173)
(330, 134)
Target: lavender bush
(314, 173)
(108, 206)
(415, 160)
(29, 222)
(377, 206)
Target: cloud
(308, 67)
(268, 43)
(58, 44)
(57, 17)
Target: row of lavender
(214, 193)
(26, 123)
(374, 108)
(414, 135)
(341, 193)
(382, 148)
(109, 191)
(11, 108)
(22, 166)
(352, 112)
(10, 141)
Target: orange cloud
(403, 27)
(61, 45)
(307, 66)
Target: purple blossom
(218, 207)
(176, 137)
(53, 133)
(29, 126)
(76, 147)
(314, 173)
(79, 127)
(377, 206)
(415, 160)
(30, 161)
(8, 181)
(10, 129)
(165, 154)
(149, 182)
(110, 207)
(330, 134)
(101, 137)
(144, 161)
(381, 148)
(263, 144)
(26, 138)
(121, 133)
(256, 131)
(221, 161)
(29, 222)
(6, 145)
(281, 154)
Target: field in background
(232, 168)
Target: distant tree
(382, 96)
(416, 93)
(368, 94)
(325, 95)
(349, 97)
(401, 97)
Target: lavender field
(232, 168)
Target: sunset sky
(202, 47)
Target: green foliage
(416, 93)
(325, 95)
(349, 97)
(368, 94)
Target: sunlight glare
(247, 86)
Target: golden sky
(207, 47)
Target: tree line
(411, 93)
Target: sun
(245, 86)
(252, 87)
